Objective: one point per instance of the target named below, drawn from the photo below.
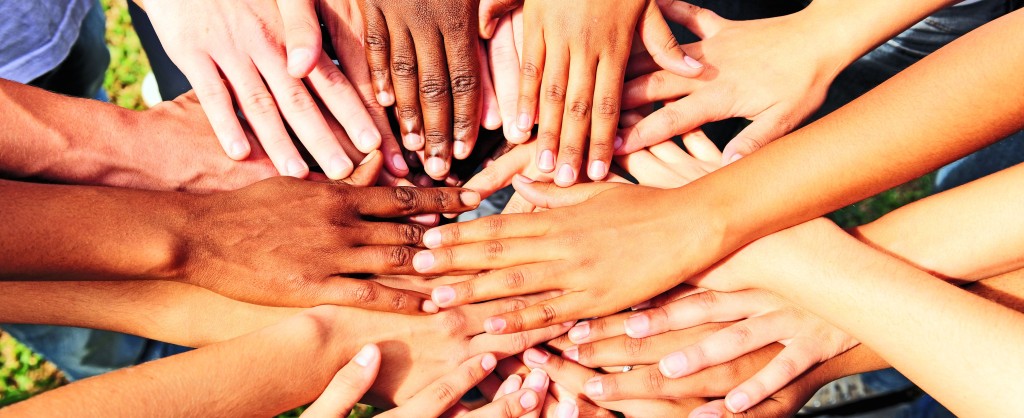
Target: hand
(288, 242)
(243, 40)
(777, 94)
(417, 350)
(557, 401)
(574, 57)
(423, 57)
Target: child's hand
(588, 43)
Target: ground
(23, 373)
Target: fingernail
(493, 120)
(436, 166)
(579, 332)
(297, 168)
(365, 356)
(470, 198)
(598, 170)
(536, 380)
(566, 175)
(642, 305)
(384, 98)
(536, 356)
(414, 141)
(528, 401)
(567, 409)
(432, 238)
(692, 62)
(735, 158)
(460, 149)
(546, 162)
(572, 353)
(423, 260)
(523, 179)
(443, 295)
(369, 139)
(430, 307)
(368, 157)
(489, 29)
(513, 384)
(593, 387)
(524, 123)
(618, 143)
(488, 362)
(399, 162)
(488, 162)
(673, 365)
(638, 326)
(568, 323)
(239, 149)
(709, 414)
(297, 58)
(338, 167)
(738, 402)
(494, 325)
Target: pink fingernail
(618, 143)
(579, 332)
(735, 158)
(737, 402)
(642, 305)
(432, 238)
(430, 307)
(443, 295)
(536, 380)
(528, 401)
(546, 162)
(673, 365)
(567, 409)
(572, 353)
(297, 58)
(598, 170)
(488, 362)
(338, 167)
(594, 388)
(239, 149)
(436, 166)
(384, 99)
(566, 176)
(692, 62)
(524, 124)
(638, 326)
(414, 141)
(297, 168)
(512, 384)
(536, 356)
(460, 149)
(422, 261)
(494, 325)
(399, 163)
(365, 356)
(369, 139)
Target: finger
(518, 204)
(508, 387)
(605, 119)
(770, 125)
(561, 310)
(363, 294)
(515, 343)
(575, 117)
(394, 202)
(487, 228)
(538, 382)
(261, 112)
(219, 108)
(786, 367)
(465, 69)
(504, 64)
(490, 255)
(569, 375)
(444, 393)
(728, 344)
(406, 81)
(624, 350)
(366, 173)
(701, 147)
(691, 311)
(491, 11)
(345, 104)
(386, 233)
(469, 319)
(552, 107)
(656, 87)
(303, 39)
(769, 409)
(649, 170)
(490, 113)
(599, 328)
(547, 195)
(702, 22)
(682, 116)
(662, 45)
(348, 385)
(515, 281)
(530, 78)
(512, 405)
(377, 40)
(435, 93)
(499, 173)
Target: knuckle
(260, 102)
(412, 234)
(365, 293)
(336, 79)
(494, 249)
(444, 200)
(404, 198)
(519, 342)
(586, 354)
(515, 304)
(453, 322)
(571, 151)
(403, 66)
(549, 313)
(654, 382)
(434, 88)
(298, 99)
(741, 334)
(608, 108)
(635, 347)
(408, 113)
(494, 225)
(379, 72)
(555, 93)
(579, 110)
(399, 302)
(529, 71)
(464, 83)
(399, 256)
(445, 393)
(787, 367)
(435, 138)
(462, 122)
(453, 234)
(377, 43)
(706, 300)
(515, 279)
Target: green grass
(23, 373)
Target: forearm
(899, 131)
(54, 232)
(166, 311)
(260, 374)
(916, 323)
(967, 233)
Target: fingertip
(470, 198)
(737, 402)
(239, 150)
(301, 62)
(367, 355)
(488, 362)
(495, 325)
(430, 307)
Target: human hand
(776, 94)
(244, 42)
(255, 244)
(583, 102)
(424, 58)
(764, 318)
(504, 48)
(557, 401)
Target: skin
(168, 147)
(573, 65)
(569, 246)
(414, 356)
(252, 244)
(801, 55)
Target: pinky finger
(789, 364)
(216, 101)
(348, 386)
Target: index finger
(393, 202)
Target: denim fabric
(81, 73)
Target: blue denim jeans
(82, 353)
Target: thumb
(348, 386)
(661, 43)
(366, 173)
(491, 11)
(548, 195)
(302, 36)
(768, 127)
(702, 22)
